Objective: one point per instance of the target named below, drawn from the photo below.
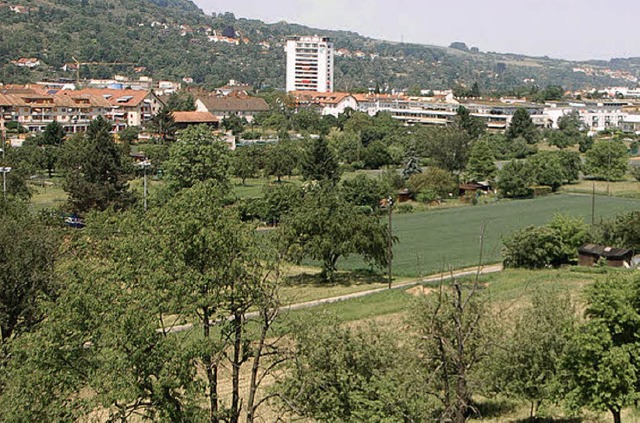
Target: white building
(309, 64)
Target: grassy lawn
(430, 242)
(627, 188)
(50, 196)
(253, 187)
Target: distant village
(133, 101)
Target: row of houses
(35, 106)
(496, 113)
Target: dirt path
(492, 268)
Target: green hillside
(171, 39)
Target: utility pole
(145, 165)
(4, 171)
(593, 205)
(390, 240)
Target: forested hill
(174, 39)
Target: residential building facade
(309, 64)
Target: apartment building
(309, 64)
(34, 107)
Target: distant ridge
(175, 39)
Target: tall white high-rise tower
(309, 64)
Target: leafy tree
(197, 156)
(433, 179)
(515, 180)
(522, 126)
(481, 165)
(245, 163)
(448, 148)
(129, 135)
(570, 124)
(560, 139)
(318, 163)
(326, 227)
(278, 201)
(346, 146)
(607, 160)
(600, 362)
(532, 248)
(27, 255)
(343, 375)
(282, 158)
(573, 233)
(621, 231)
(364, 191)
(585, 144)
(527, 364)
(376, 155)
(95, 172)
(181, 101)
(546, 169)
(234, 123)
(635, 172)
(571, 164)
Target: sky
(567, 29)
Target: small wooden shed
(589, 254)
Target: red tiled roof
(318, 97)
(129, 98)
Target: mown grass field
(432, 241)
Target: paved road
(309, 304)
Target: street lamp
(145, 165)
(4, 171)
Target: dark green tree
(319, 163)
(326, 227)
(532, 248)
(607, 159)
(472, 125)
(234, 123)
(164, 125)
(282, 158)
(600, 363)
(522, 126)
(515, 179)
(365, 191)
(27, 256)
(95, 172)
(181, 101)
(448, 148)
(245, 162)
(481, 165)
(546, 169)
(197, 156)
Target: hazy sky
(570, 29)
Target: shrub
(404, 209)
(533, 247)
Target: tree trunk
(617, 418)
(212, 371)
(253, 384)
(235, 369)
